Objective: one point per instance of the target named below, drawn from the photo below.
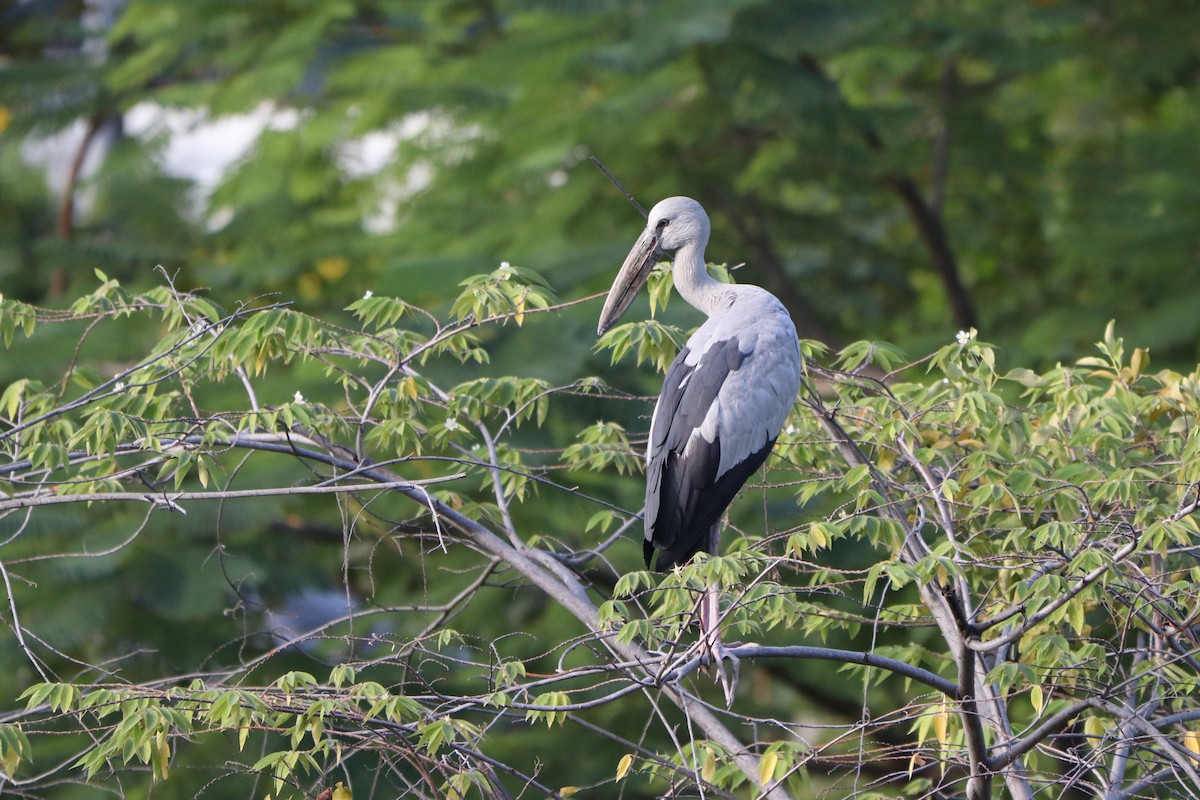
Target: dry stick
(170, 500)
(641, 209)
(16, 625)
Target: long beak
(637, 267)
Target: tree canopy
(890, 170)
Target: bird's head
(671, 224)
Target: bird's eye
(662, 223)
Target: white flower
(962, 337)
(298, 398)
(451, 423)
(505, 272)
(367, 294)
(790, 430)
(119, 386)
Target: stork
(723, 402)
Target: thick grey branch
(1011, 751)
(930, 679)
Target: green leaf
(10, 401)
(432, 735)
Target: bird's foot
(712, 652)
(715, 656)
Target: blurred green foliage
(1051, 140)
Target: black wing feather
(684, 497)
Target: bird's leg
(710, 625)
(710, 608)
(712, 652)
(709, 612)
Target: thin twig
(170, 500)
(641, 209)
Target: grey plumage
(725, 397)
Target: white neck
(700, 289)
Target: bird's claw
(715, 656)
